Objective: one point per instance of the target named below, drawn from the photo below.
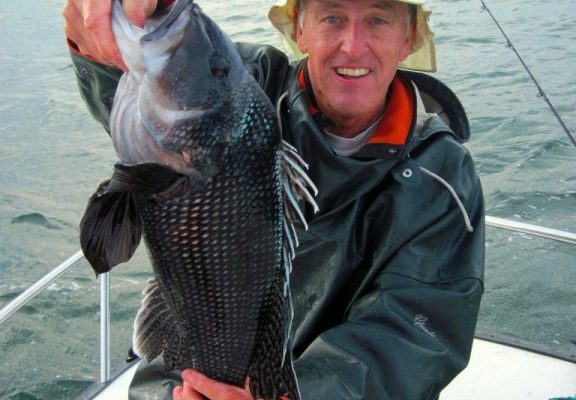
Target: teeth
(353, 71)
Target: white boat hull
(496, 371)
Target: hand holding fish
(88, 26)
(197, 386)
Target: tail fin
(266, 384)
(272, 374)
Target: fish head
(190, 60)
(184, 96)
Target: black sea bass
(206, 179)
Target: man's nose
(354, 40)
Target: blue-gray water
(52, 155)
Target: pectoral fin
(110, 229)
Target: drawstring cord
(279, 114)
(454, 195)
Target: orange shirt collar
(396, 124)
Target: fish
(205, 177)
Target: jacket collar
(392, 135)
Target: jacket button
(407, 173)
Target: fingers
(97, 22)
(137, 11)
(214, 390)
(88, 25)
(185, 392)
(85, 47)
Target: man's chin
(353, 107)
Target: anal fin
(153, 326)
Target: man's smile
(352, 72)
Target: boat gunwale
(527, 345)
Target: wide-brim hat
(422, 56)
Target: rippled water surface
(52, 155)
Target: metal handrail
(34, 290)
(38, 287)
(534, 230)
(105, 328)
(57, 272)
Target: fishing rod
(541, 93)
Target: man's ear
(410, 38)
(300, 37)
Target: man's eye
(331, 19)
(378, 21)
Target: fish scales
(205, 178)
(226, 268)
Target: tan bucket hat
(423, 55)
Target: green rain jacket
(387, 281)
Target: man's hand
(88, 26)
(195, 385)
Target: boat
(501, 366)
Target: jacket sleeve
(409, 331)
(97, 84)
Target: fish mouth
(349, 72)
(177, 15)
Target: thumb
(137, 11)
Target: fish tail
(272, 375)
(274, 384)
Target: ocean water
(52, 156)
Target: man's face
(354, 47)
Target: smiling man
(353, 48)
(388, 279)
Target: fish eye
(219, 66)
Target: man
(387, 282)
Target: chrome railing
(50, 278)
(57, 272)
(38, 287)
(105, 327)
(534, 230)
